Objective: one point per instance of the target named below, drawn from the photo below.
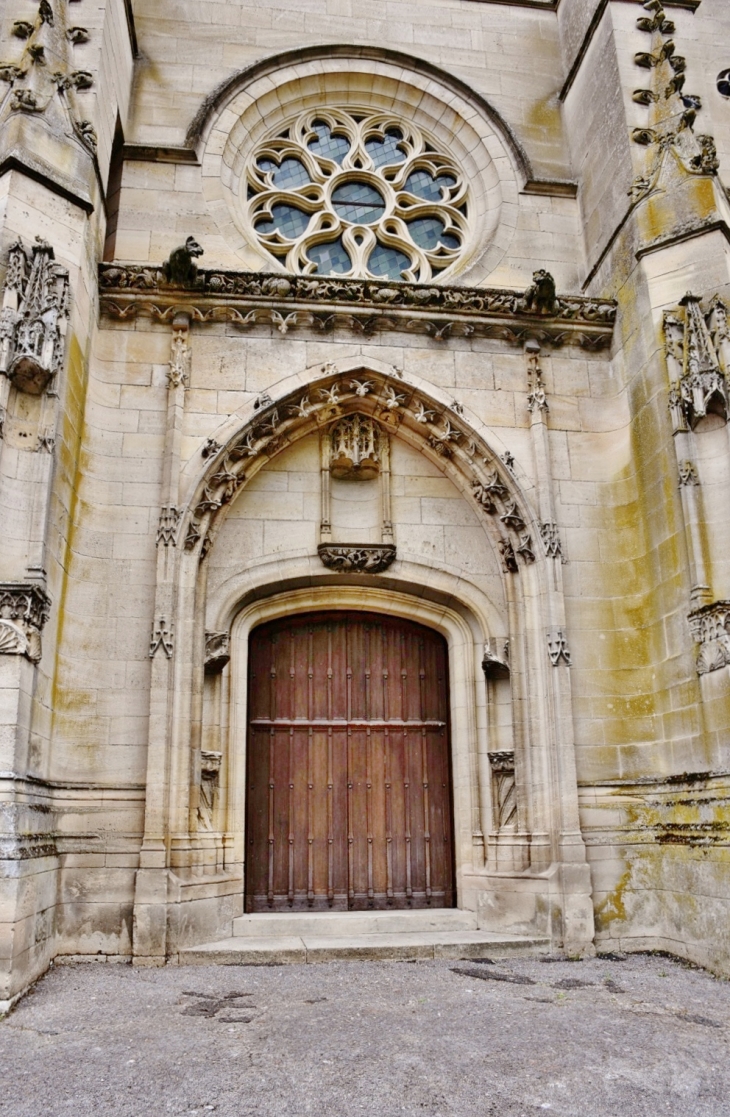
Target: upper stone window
(349, 193)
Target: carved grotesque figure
(541, 295)
(180, 269)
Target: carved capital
(710, 628)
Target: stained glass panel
(331, 259)
(428, 233)
(327, 145)
(385, 152)
(289, 175)
(358, 202)
(388, 263)
(425, 186)
(287, 220)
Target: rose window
(357, 194)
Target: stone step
(287, 949)
(348, 924)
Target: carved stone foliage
(296, 301)
(24, 610)
(505, 790)
(537, 397)
(710, 628)
(210, 770)
(217, 651)
(355, 444)
(670, 128)
(365, 558)
(33, 317)
(558, 648)
(697, 355)
(41, 78)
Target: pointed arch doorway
(349, 798)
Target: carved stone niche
(356, 449)
(696, 355)
(24, 610)
(504, 790)
(217, 652)
(210, 769)
(33, 317)
(710, 627)
(365, 558)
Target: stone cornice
(290, 302)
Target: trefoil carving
(33, 318)
(162, 637)
(558, 648)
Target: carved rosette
(363, 558)
(33, 317)
(710, 627)
(24, 610)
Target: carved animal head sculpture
(180, 269)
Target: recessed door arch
(349, 802)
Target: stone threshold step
(283, 950)
(346, 924)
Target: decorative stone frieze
(24, 610)
(362, 306)
(33, 317)
(217, 651)
(669, 131)
(365, 558)
(697, 371)
(710, 628)
(558, 648)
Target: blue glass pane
(290, 222)
(425, 186)
(428, 233)
(331, 259)
(327, 145)
(385, 151)
(358, 202)
(388, 263)
(289, 175)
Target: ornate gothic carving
(217, 651)
(687, 474)
(210, 769)
(495, 663)
(180, 270)
(355, 447)
(162, 637)
(362, 306)
(505, 790)
(537, 398)
(558, 647)
(551, 540)
(168, 525)
(710, 628)
(179, 371)
(672, 111)
(696, 370)
(509, 559)
(366, 558)
(33, 317)
(24, 610)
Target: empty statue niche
(209, 786)
(22, 426)
(505, 846)
(356, 482)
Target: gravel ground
(640, 1037)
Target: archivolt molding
(402, 409)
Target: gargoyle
(180, 270)
(540, 296)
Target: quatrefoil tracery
(357, 194)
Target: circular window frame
(265, 101)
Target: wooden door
(348, 774)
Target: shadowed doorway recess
(348, 773)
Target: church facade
(364, 471)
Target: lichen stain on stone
(612, 907)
